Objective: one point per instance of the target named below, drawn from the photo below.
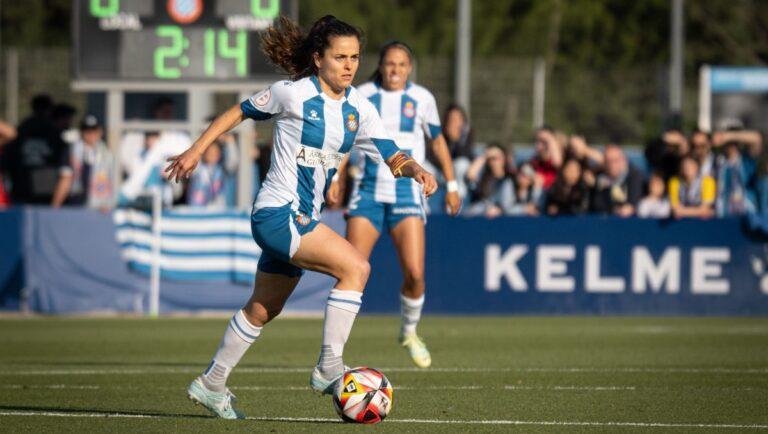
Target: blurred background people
(489, 182)
(548, 158)
(690, 193)
(568, 194)
(655, 204)
(92, 168)
(619, 187)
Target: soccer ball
(363, 395)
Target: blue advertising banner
(752, 79)
(11, 263)
(581, 265)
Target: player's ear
(317, 59)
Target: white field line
(410, 421)
(556, 388)
(162, 370)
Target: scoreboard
(173, 40)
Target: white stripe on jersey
(311, 133)
(409, 116)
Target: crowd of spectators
(698, 175)
(48, 161)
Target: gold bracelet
(398, 172)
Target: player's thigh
(362, 234)
(408, 237)
(270, 292)
(325, 251)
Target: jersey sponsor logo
(264, 98)
(185, 11)
(312, 157)
(351, 123)
(313, 115)
(409, 110)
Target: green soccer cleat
(219, 404)
(418, 350)
(321, 385)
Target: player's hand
(453, 202)
(182, 165)
(335, 194)
(427, 180)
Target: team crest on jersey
(185, 11)
(313, 115)
(302, 219)
(409, 110)
(264, 98)
(351, 123)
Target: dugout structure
(733, 96)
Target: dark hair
(289, 48)
(62, 111)
(41, 104)
(376, 76)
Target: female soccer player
(380, 202)
(319, 117)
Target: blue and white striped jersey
(409, 115)
(312, 133)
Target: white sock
(340, 313)
(410, 312)
(238, 337)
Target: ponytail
(289, 48)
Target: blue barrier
(71, 262)
(11, 263)
(581, 265)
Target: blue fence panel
(11, 262)
(581, 265)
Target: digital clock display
(173, 40)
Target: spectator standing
(207, 186)
(619, 188)
(690, 194)
(568, 195)
(92, 166)
(37, 161)
(737, 172)
(664, 154)
(655, 204)
(549, 157)
(459, 139)
(701, 148)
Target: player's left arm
(433, 131)
(402, 165)
(443, 155)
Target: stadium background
(607, 68)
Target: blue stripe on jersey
(403, 188)
(369, 174)
(316, 82)
(312, 135)
(407, 113)
(434, 131)
(375, 99)
(351, 118)
(387, 148)
(252, 112)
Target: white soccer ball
(363, 395)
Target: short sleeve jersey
(410, 116)
(312, 133)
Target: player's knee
(414, 277)
(357, 271)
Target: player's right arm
(264, 105)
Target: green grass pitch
(523, 374)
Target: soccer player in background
(380, 202)
(319, 117)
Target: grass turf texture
(613, 372)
